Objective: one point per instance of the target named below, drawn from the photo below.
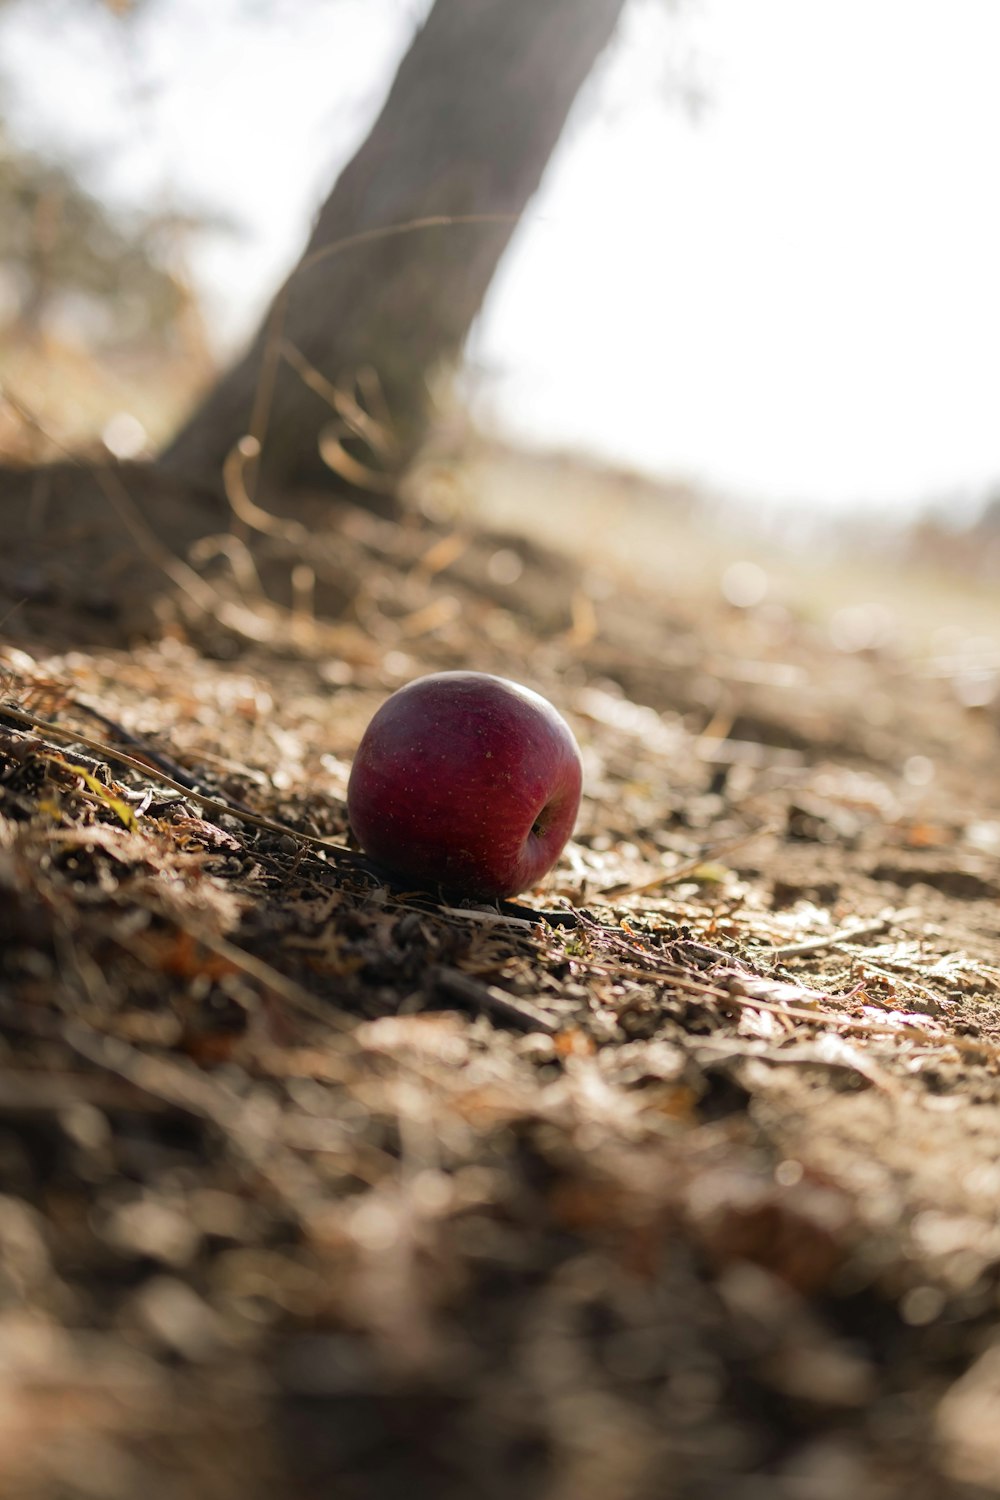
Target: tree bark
(474, 113)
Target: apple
(467, 782)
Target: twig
(517, 911)
(245, 452)
(275, 343)
(469, 991)
(487, 918)
(156, 758)
(844, 934)
(680, 872)
(213, 804)
(272, 979)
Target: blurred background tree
(661, 306)
(93, 296)
(66, 258)
(476, 109)
(65, 255)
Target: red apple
(467, 782)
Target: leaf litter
(676, 1177)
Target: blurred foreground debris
(312, 1184)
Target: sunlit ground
(81, 398)
(863, 581)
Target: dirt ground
(681, 1181)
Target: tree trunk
(473, 115)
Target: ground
(682, 1181)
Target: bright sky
(794, 295)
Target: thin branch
(274, 336)
(488, 997)
(878, 924)
(213, 804)
(690, 866)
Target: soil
(677, 1178)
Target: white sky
(793, 296)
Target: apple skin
(467, 782)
